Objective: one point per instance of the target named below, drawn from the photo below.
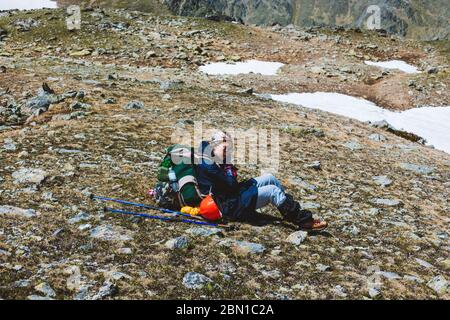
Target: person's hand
(231, 170)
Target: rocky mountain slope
(416, 18)
(428, 20)
(386, 198)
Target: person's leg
(270, 194)
(291, 211)
(268, 180)
(270, 191)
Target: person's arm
(227, 183)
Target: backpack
(181, 159)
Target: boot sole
(312, 229)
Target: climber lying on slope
(238, 201)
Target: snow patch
(430, 123)
(27, 4)
(394, 64)
(251, 66)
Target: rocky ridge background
(426, 20)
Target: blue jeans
(270, 190)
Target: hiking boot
(313, 225)
(292, 212)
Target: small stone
(310, 205)
(377, 137)
(80, 136)
(413, 278)
(134, 105)
(35, 297)
(322, 267)
(431, 70)
(374, 292)
(424, 264)
(4, 253)
(22, 283)
(446, 264)
(82, 293)
(275, 252)
(389, 275)
(84, 227)
(420, 169)
(386, 202)
(166, 97)
(150, 54)
(124, 251)
(316, 165)
(82, 216)
(246, 91)
(116, 275)
(383, 181)
(14, 211)
(177, 243)
(43, 101)
(170, 85)
(194, 280)
(76, 106)
(57, 232)
(373, 211)
(352, 145)
(80, 94)
(80, 53)
(303, 184)
(191, 33)
(9, 145)
(45, 288)
(67, 151)
(203, 232)
(383, 124)
(297, 237)
(108, 289)
(243, 247)
(439, 284)
(273, 274)
(23, 154)
(110, 101)
(48, 196)
(340, 291)
(73, 282)
(29, 176)
(111, 233)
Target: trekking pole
(145, 206)
(144, 215)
